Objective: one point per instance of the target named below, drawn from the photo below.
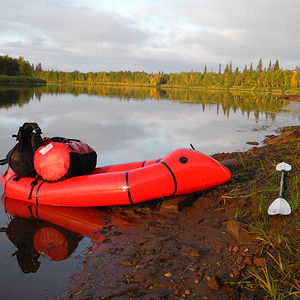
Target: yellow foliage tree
(295, 82)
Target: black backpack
(20, 157)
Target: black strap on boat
(173, 175)
(36, 194)
(127, 187)
(143, 165)
(12, 176)
(30, 211)
(33, 184)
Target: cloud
(169, 36)
(241, 30)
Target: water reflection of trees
(18, 95)
(247, 102)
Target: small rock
(229, 162)
(237, 231)
(171, 205)
(177, 292)
(127, 263)
(214, 283)
(252, 143)
(258, 261)
(236, 272)
(248, 261)
(195, 254)
(218, 251)
(289, 135)
(240, 259)
(168, 274)
(187, 292)
(236, 249)
(241, 268)
(176, 204)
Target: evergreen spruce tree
(259, 67)
(276, 66)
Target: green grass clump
(20, 80)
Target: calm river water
(122, 124)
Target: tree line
(271, 76)
(15, 66)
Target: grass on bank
(20, 80)
(255, 185)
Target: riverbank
(21, 80)
(218, 244)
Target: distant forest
(270, 77)
(15, 66)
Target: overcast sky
(150, 35)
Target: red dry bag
(63, 158)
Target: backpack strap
(59, 139)
(25, 132)
(3, 162)
(36, 141)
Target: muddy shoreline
(172, 254)
(185, 247)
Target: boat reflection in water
(54, 232)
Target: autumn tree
(295, 81)
(9, 66)
(25, 67)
